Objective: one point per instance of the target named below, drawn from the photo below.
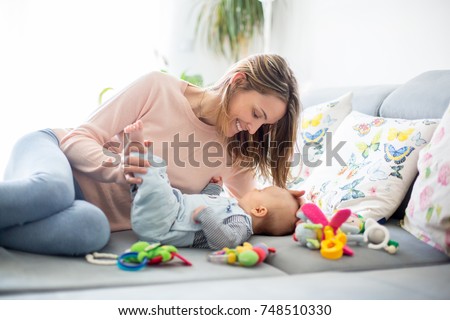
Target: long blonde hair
(271, 148)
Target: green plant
(230, 25)
(101, 94)
(195, 79)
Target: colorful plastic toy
(321, 233)
(332, 247)
(246, 255)
(376, 235)
(143, 253)
(138, 256)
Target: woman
(54, 202)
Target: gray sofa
(416, 271)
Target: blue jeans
(41, 209)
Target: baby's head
(272, 210)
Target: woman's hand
(132, 165)
(298, 194)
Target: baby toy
(376, 235)
(138, 256)
(104, 259)
(332, 247)
(246, 255)
(321, 233)
(143, 253)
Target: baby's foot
(135, 132)
(134, 135)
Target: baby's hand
(217, 180)
(196, 212)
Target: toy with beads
(138, 256)
(246, 255)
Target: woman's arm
(91, 148)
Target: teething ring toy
(124, 263)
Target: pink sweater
(158, 100)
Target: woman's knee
(34, 153)
(93, 228)
(39, 171)
(59, 191)
(43, 195)
(84, 229)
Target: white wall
(56, 57)
(336, 42)
(187, 51)
(358, 42)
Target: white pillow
(316, 122)
(428, 213)
(378, 164)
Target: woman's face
(249, 110)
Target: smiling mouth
(238, 125)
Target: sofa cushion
(366, 99)
(395, 284)
(378, 158)
(425, 96)
(428, 212)
(25, 272)
(22, 272)
(292, 258)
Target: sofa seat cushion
(26, 272)
(295, 259)
(394, 284)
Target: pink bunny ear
(313, 213)
(339, 218)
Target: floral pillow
(316, 122)
(428, 213)
(371, 165)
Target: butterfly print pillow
(373, 167)
(316, 123)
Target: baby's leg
(134, 137)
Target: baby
(163, 214)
